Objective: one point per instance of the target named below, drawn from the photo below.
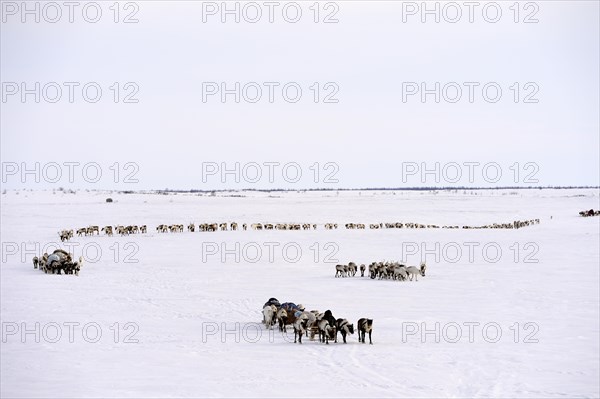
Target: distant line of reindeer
(591, 212)
(65, 235)
(202, 227)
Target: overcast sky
(374, 61)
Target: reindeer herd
(591, 212)
(312, 323)
(92, 230)
(383, 270)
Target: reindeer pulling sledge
(305, 323)
(57, 262)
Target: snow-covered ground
(502, 313)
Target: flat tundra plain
(499, 313)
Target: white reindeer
(78, 265)
(413, 271)
(269, 315)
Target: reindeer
(64, 235)
(414, 271)
(78, 265)
(282, 318)
(344, 328)
(300, 326)
(352, 269)
(326, 331)
(341, 270)
(400, 272)
(43, 261)
(364, 326)
(332, 323)
(269, 316)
